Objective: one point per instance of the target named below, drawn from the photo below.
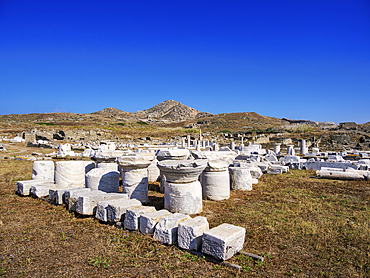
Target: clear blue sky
(296, 59)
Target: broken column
(303, 148)
(277, 148)
(135, 175)
(170, 154)
(290, 150)
(70, 173)
(240, 178)
(43, 170)
(215, 178)
(183, 191)
(103, 179)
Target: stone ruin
(188, 175)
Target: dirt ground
(302, 226)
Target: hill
(170, 111)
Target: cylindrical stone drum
(183, 197)
(240, 178)
(43, 170)
(70, 173)
(215, 185)
(135, 183)
(103, 179)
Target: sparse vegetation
(51, 124)
(301, 226)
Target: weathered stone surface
(348, 175)
(57, 197)
(227, 157)
(70, 173)
(274, 171)
(135, 183)
(190, 233)
(182, 171)
(317, 165)
(87, 202)
(240, 178)
(223, 241)
(135, 175)
(255, 171)
(43, 170)
(136, 161)
(132, 216)
(183, 197)
(24, 187)
(153, 171)
(215, 185)
(103, 179)
(89, 165)
(149, 220)
(277, 169)
(71, 196)
(42, 190)
(113, 166)
(173, 154)
(114, 210)
(166, 229)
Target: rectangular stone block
(274, 171)
(24, 187)
(190, 233)
(87, 202)
(223, 241)
(71, 196)
(166, 228)
(150, 219)
(57, 196)
(132, 216)
(42, 190)
(114, 210)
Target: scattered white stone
(190, 233)
(223, 241)
(132, 216)
(166, 229)
(149, 220)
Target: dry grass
(302, 226)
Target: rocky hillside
(171, 111)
